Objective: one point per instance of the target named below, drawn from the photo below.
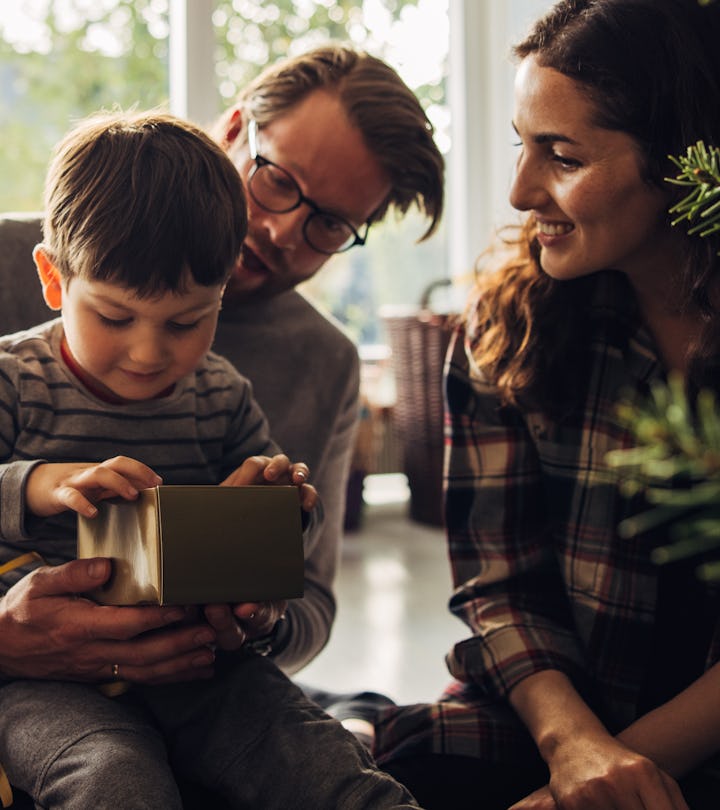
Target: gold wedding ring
(114, 687)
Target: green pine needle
(673, 443)
(676, 465)
(699, 170)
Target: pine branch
(675, 444)
(676, 464)
(699, 171)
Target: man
(327, 143)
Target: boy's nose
(147, 352)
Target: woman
(589, 680)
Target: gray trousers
(249, 734)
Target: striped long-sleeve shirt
(198, 434)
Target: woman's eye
(114, 323)
(569, 163)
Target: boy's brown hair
(140, 198)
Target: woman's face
(583, 183)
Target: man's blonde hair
(392, 121)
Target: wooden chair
(21, 301)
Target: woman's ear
(49, 278)
(232, 128)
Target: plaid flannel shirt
(541, 576)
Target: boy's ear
(49, 278)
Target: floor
(393, 627)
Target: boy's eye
(114, 323)
(174, 326)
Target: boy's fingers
(308, 497)
(279, 465)
(300, 473)
(134, 471)
(73, 499)
(249, 472)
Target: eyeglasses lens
(276, 190)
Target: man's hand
(234, 625)
(49, 630)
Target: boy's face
(135, 348)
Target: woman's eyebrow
(548, 137)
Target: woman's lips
(550, 234)
(554, 228)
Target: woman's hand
(589, 768)
(604, 776)
(55, 488)
(541, 799)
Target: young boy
(145, 217)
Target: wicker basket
(419, 341)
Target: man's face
(328, 159)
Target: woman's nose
(527, 190)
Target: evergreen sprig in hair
(700, 172)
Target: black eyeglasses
(276, 190)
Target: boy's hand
(275, 470)
(54, 488)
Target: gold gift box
(190, 545)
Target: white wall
(192, 53)
(481, 97)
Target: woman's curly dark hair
(652, 70)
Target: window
(63, 59)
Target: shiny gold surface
(198, 544)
